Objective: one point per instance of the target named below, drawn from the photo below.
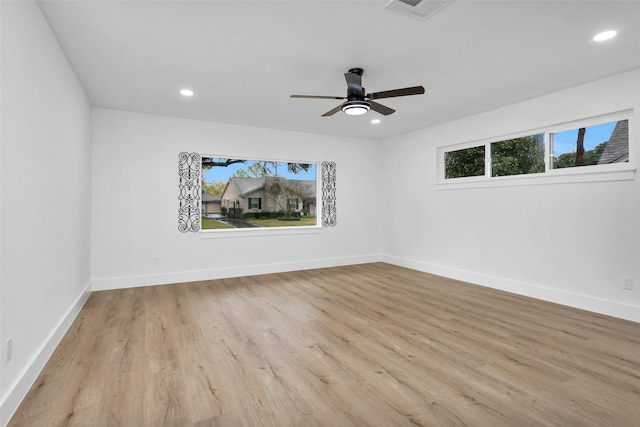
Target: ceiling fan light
(356, 108)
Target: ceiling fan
(358, 102)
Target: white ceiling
(244, 58)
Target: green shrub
(269, 215)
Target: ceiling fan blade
(385, 111)
(354, 83)
(317, 97)
(415, 90)
(332, 112)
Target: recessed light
(605, 35)
(186, 92)
(375, 121)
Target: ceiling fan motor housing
(356, 93)
(355, 96)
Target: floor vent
(420, 9)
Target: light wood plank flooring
(364, 345)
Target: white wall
(135, 201)
(45, 185)
(569, 243)
(72, 209)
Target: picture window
(257, 193)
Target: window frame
(484, 153)
(258, 204)
(292, 203)
(591, 173)
(268, 231)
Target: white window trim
(260, 231)
(596, 173)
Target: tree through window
(600, 144)
(589, 145)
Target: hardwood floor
(364, 345)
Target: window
(465, 162)
(256, 193)
(594, 143)
(255, 203)
(600, 144)
(519, 156)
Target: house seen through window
(244, 193)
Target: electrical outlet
(8, 350)
(155, 260)
(627, 283)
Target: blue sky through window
(565, 142)
(224, 173)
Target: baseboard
(581, 301)
(102, 284)
(14, 394)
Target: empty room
(328, 213)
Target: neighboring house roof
(617, 148)
(206, 197)
(246, 186)
(305, 188)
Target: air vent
(420, 9)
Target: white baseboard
(581, 301)
(102, 284)
(11, 399)
(14, 394)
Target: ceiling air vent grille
(420, 9)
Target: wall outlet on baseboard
(627, 283)
(8, 350)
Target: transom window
(518, 156)
(600, 144)
(465, 162)
(593, 143)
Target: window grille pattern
(189, 192)
(329, 215)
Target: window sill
(559, 176)
(263, 231)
